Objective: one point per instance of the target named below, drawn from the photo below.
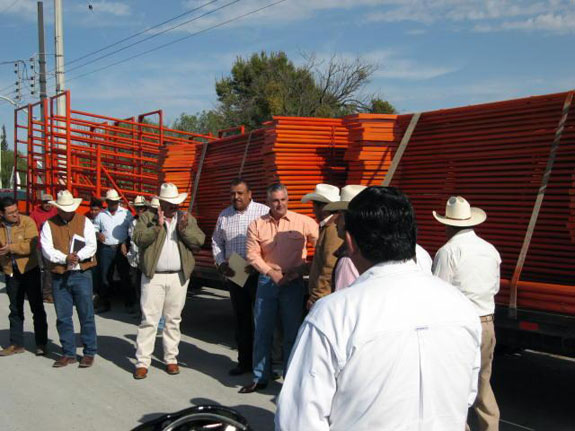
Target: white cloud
(393, 65)
(488, 15)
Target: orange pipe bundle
(495, 155)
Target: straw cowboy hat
(459, 213)
(347, 194)
(322, 193)
(169, 193)
(112, 195)
(155, 202)
(66, 202)
(140, 201)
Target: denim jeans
(18, 286)
(75, 288)
(271, 298)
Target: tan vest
(62, 234)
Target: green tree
(7, 166)
(3, 140)
(265, 85)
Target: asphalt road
(535, 392)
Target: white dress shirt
(423, 258)
(229, 236)
(114, 226)
(133, 255)
(170, 260)
(56, 256)
(400, 350)
(472, 265)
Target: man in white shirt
(472, 265)
(112, 225)
(69, 244)
(229, 237)
(400, 350)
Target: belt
(487, 318)
(112, 246)
(167, 272)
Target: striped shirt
(231, 229)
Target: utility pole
(59, 44)
(41, 53)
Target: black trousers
(110, 259)
(18, 287)
(243, 299)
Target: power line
(9, 7)
(154, 35)
(178, 40)
(140, 32)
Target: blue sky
(431, 53)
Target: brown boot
(86, 362)
(12, 350)
(63, 361)
(140, 373)
(173, 369)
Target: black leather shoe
(253, 387)
(238, 371)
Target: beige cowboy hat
(322, 193)
(112, 195)
(140, 201)
(155, 202)
(169, 193)
(459, 213)
(66, 202)
(347, 194)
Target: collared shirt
(400, 350)
(281, 242)
(472, 265)
(56, 256)
(346, 272)
(40, 216)
(423, 259)
(169, 259)
(229, 236)
(114, 226)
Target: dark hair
(95, 202)
(6, 202)
(239, 180)
(276, 187)
(382, 223)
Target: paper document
(238, 264)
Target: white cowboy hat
(347, 194)
(66, 202)
(140, 201)
(459, 213)
(155, 203)
(112, 195)
(322, 193)
(169, 193)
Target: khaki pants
(485, 405)
(164, 294)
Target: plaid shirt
(231, 228)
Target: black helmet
(198, 418)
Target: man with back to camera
(473, 266)
(399, 350)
